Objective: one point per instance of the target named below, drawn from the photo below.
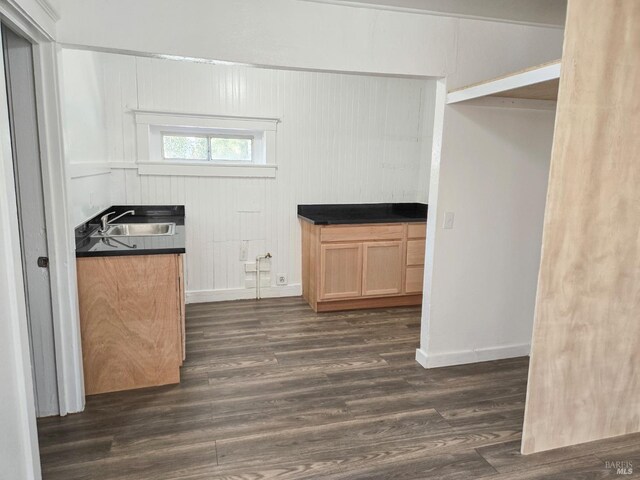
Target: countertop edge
(127, 253)
(360, 222)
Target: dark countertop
(91, 246)
(357, 213)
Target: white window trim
(147, 164)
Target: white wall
(90, 195)
(84, 116)
(486, 50)
(493, 175)
(342, 138)
(296, 34)
(281, 33)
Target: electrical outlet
(448, 220)
(281, 279)
(244, 251)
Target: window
(171, 143)
(212, 148)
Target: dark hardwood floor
(272, 390)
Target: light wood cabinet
(132, 321)
(362, 266)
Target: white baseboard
(421, 357)
(203, 296)
(471, 356)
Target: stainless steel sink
(139, 230)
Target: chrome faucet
(105, 222)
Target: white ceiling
(534, 12)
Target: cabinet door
(340, 271)
(382, 268)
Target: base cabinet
(365, 266)
(132, 321)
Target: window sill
(207, 170)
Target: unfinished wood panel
(362, 233)
(181, 306)
(583, 379)
(510, 74)
(340, 271)
(417, 230)
(415, 252)
(414, 278)
(305, 232)
(314, 265)
(382, 268)
(129, 319)
(539, 91)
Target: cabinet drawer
(415, 252)
(413, 279)
(360, 233)
(417, 230)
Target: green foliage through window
(207, 148)
(185, 148)
(231, 149)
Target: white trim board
(523, 78)
(147, 117)
(78, 170)
(206, 170)
(204, 296)
(471, 356)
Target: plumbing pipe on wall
(258, 259)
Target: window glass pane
(185, 148)
(232, 149)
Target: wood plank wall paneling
(584, 380)
(343, 138)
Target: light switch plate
(448, 220)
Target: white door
(19, 76)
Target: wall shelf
(534, 83)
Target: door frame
(35, 20)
